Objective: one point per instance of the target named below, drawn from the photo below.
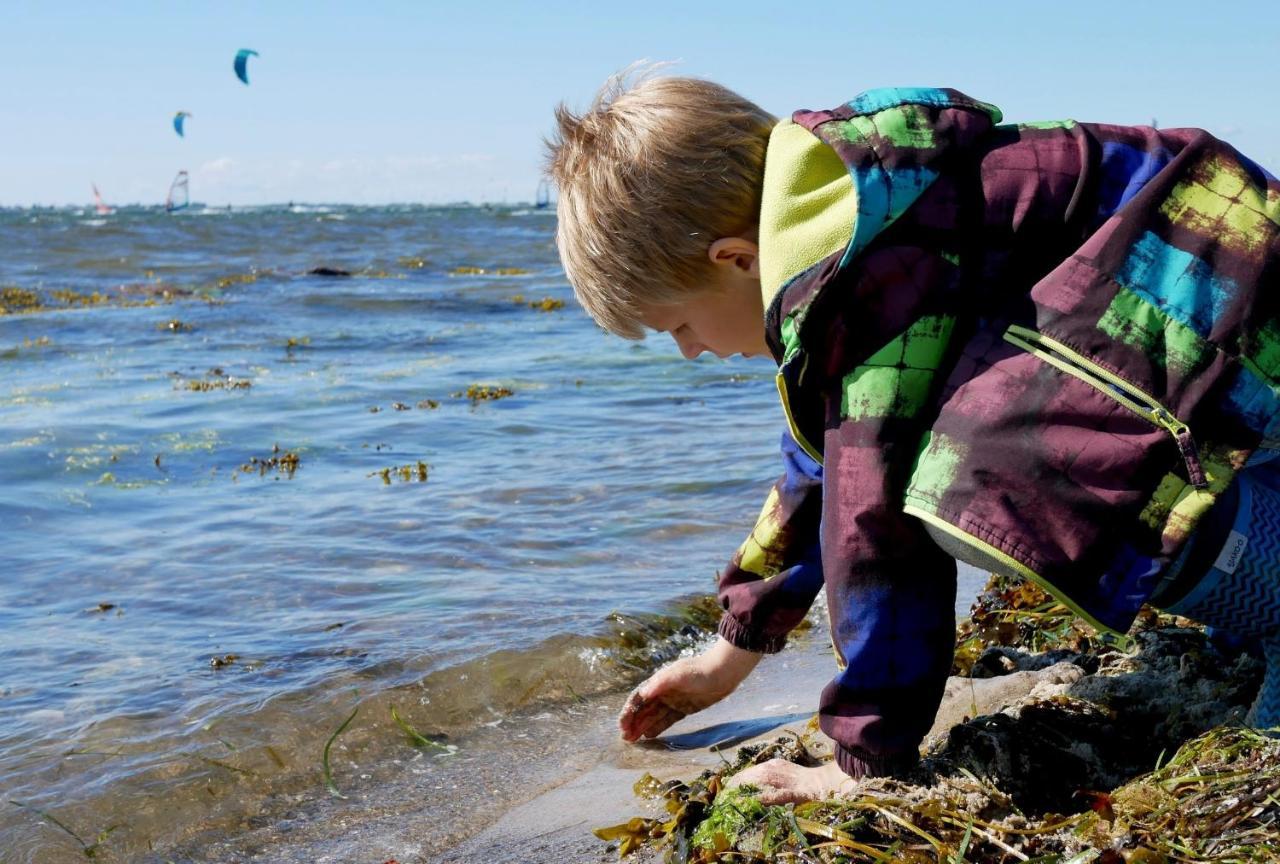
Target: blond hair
(649, 176)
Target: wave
(219, 770)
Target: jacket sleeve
(772, 579)
(891, 592)
(890, 589)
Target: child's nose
(688, 347)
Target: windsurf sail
(242, 63)
(543, 200)
(100, 205)
(178, 197)
(178, 120)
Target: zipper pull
(1187, 447)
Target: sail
(101, 206)
(544, 196)
(241, 63)
(178, 197)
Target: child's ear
(737, 252)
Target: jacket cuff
(859, 763)
(742, 636)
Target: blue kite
(178, 121)
(242, 63)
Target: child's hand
(684, 687)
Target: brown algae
(14, 300)
(415, 472)
(1065, 778)
(487, 271)
(478, 393)
(281, 462)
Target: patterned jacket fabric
(1055, 342)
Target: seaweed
(416, 737)
(478, 393)
(90, 850)
(214, 379)
(417, 471)
(1026, 784)
(14, 300)
(467, 270)
(237, 279)
(324, 760)
(546, 304)
(1016, 614)
(18, 301)
(283, 462)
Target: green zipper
(1114, 387)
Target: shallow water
(141, 541)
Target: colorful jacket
(1053, 342)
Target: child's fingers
(645, 718)
(659, 721)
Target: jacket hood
(890, 145)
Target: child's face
(722, 321)
(725, 316)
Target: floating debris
(416, 472)
(284, 462)
(400, 406)
(546, 304)
(478, 393)
(223, 661)
(101, 607)
(410, 262)
(375, 409)
(328, 271)
(296, 342)
(175, 326)
(429, 404)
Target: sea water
(265, 467)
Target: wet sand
(565, 773)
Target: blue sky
(374, 102)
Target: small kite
(242, 63)
(178, 120)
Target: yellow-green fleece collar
(808, 207)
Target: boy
(994, 344)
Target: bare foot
(783, 782)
